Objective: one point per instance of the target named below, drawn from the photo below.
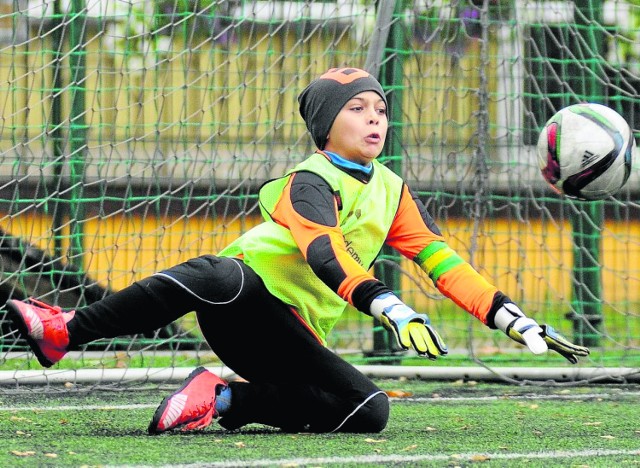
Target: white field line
(556, 454)
(80, 407)
(581, 396)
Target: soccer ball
(585, 151)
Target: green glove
(410, 329)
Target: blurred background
(135, 135)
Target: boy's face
(360, 129)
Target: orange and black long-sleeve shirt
(326, 222)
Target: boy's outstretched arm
(416, 236)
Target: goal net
(135, 134)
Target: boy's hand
(411, 330)
(538, 338)
(520, 328)
(562, 346)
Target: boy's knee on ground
(371, 417)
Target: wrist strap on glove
(517, 326)
(410, 329)
(384, 303)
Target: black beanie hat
(322, 100)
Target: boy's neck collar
(345, 163)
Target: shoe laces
(200, 420)
(44, 305)
(200, 410)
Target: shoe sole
(13, 312)
(153, 425)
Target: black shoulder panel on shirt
(324, 263)
(313, 198)
(426, 217)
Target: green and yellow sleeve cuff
(437, 258)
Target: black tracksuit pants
(294, 382)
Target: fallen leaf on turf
(595, 423)
(480, 458)
(398, 394)
(51, 455)
(374, 441)
(18, 453)
(19, 418)
(489, 350)
(608, 437)
(534, 406)
(122, 360)
(430, 429)
(239, 444)
(410, 447)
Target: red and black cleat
(43, 326)
(192, 406)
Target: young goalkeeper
(266, 302)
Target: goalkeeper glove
(410, 329)
(538, 338)
(562, 346)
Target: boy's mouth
(372, 138)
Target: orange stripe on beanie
(344, 75)
(322, 100)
